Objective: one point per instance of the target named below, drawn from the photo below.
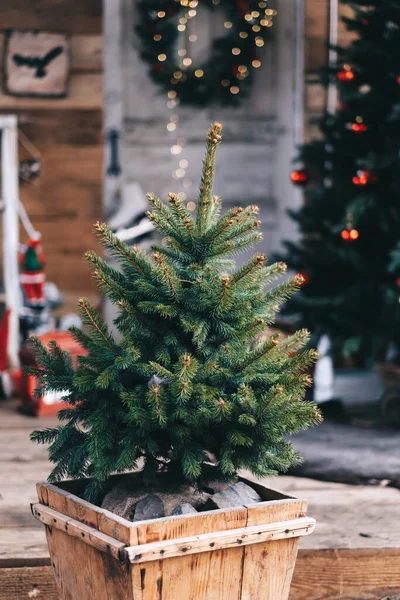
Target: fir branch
(120, 249)
(164, 217)
(97, 323)
(255, 263)
(182, 213)
(168, 274)
(204, 201)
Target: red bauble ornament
(363, 178)
(398, 79)
(398, 281)
(300, 177)
(358, 127)
(346, 75)
(350, 235)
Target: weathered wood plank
(60, 127)
(86, 53)
(74, 16)
(194, 570)
(315, 53)
(319, 575)
(85, 93)
(63, 205)
(268, 567)
(22, 583)
(74, 528)
(316, 22)
(118, 579)
(347, 575)
(62, 501)
(220, 540)
(77, 567)
(315, 98)
(69, 187)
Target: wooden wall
(67, 132)
(316, 24)
(259, 135)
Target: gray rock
(184, 509)
(149, 507)
(238, 494)
(213, 487)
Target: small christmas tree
(348, 252)
(195, 377)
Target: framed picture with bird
(36, 63)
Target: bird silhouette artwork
(38, 62)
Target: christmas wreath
(226, 75)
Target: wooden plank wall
(316, 25)
(67, 132)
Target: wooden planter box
(244, 553)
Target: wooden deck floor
(355, 549)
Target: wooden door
(259, 137)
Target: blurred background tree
(350, 223)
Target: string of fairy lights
(258, 19)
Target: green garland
(227, 74)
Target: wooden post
(9, 191)
(113, 88)
(290, 73)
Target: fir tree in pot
(195, 380)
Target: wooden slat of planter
(76, 567)
(222, 565)
(118, 578)
(89, 535)
(269, 557)
(106, 522)
(219, 540)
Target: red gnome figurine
(31, 259)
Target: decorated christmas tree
(349, 251)
(197, 376)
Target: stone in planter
(238, 494)
(149, 507)
(124, 498)
(184, 509)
